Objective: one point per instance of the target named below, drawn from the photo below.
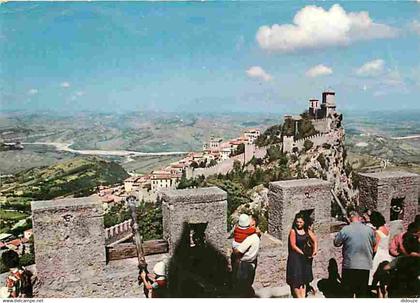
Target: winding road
(120, 153)
(406, 137)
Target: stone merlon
(67, 204)
(192, 196)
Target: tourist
(382, 276)
(381, 248)
(404, 278)
(156, 283)
(302, 248)
(396, 247)
(366, 218)
(247, 225)
(411, 243)
(358, 241)
(309, 287)
(246, 254)
(243, 229)
(18, 282)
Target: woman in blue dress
(302, 248)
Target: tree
(194, 164)
(274, 153)
(212, 163)
(149, 219)
(203, 164)
(237, 166)
(270, 136)
(322, 161)
(239, 150)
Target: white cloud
(32, 91)
(65, 84)
(415, 26)
(371, 68)
(259, 73)
(80, 93)
(318, 70)
(315, 27)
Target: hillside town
(146, 187)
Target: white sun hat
(244, 221)
(160, 268)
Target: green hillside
(77, 177)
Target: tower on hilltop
(328, 105)
(322, 110)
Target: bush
(239, 150)
(149, 219)
(3, 268)
(212, 163)
(118, 213)
(322, 161)
(27, 259)
(326, 146)
(270, 136)
(311, 173)
(274, 153)
(308, 144)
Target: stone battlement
(227, 165)
(70, 236)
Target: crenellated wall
(321, 125)
(318, 140)
(227, 165)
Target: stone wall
(321, 125)
(192, 206)
(226, 166)
(331, 138)
(287, 198)
(69, 244)
(378, 189)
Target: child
(158, 285)
(242, 230)
(382, 276)
(18, 282)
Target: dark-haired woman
(381, 248)
(299, 265)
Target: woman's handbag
(308, 248)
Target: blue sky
(242, 56)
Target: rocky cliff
(324, 159)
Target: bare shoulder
(292, 232)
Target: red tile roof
(15, 242)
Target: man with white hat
(246, 253)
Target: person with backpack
(18, 282)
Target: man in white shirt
(247, 253)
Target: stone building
(394, 194)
